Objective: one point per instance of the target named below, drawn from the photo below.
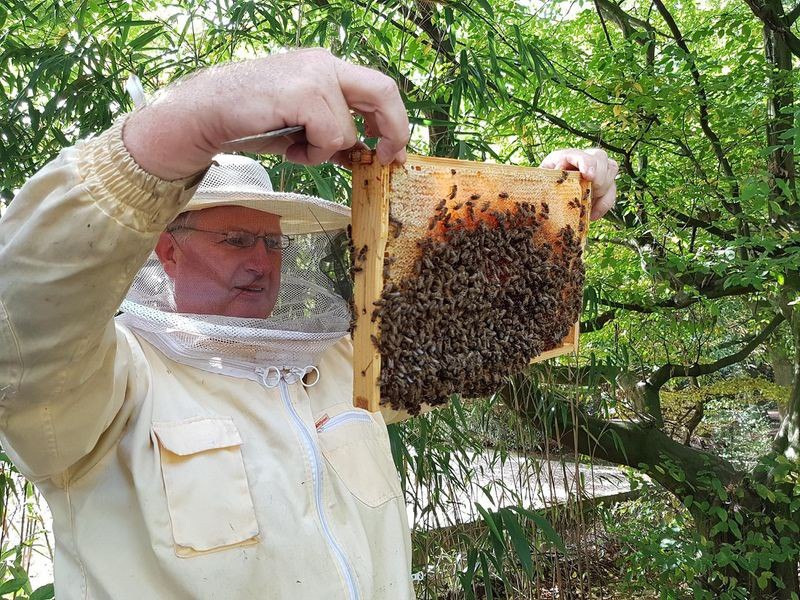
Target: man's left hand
(593, 165)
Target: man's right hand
(189, 122)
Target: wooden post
(370, 206)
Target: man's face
(213, 277)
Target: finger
(401, 156)
(601, 205)
(601, 179)
(370, 125)
(371, 92)
(338, 107)
(326, 133)
(275, 145)
(342, 158)
(553, 160)
(572, 160)
(371, 128)
(613, 168)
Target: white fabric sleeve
(71, 242)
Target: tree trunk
(781, 161)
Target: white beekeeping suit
(188, 456)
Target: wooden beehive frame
(370, 202)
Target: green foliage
(734, 425)
(739, 433)
(700, 253)
(657, 556)
(23, 536)
(736, 391)
(710, 549)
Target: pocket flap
(197, 434)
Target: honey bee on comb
(497, 312)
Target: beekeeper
(203, 444)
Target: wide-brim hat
(234, 180)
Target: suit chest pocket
(208, 497)
(357, 448)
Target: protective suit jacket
(166, 480)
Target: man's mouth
(250, 288)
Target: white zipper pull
(270, 377)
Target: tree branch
(710, 292)
(733, 207)
(598, 322)
(792, 15)
(640, 446)
(695, 222)
(666, 372)
(627, 23)
(594, 138)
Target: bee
(396, 226)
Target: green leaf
(46, 592)
(720, 527)
(487, 516)
(487, 578)
(734, 527)
(145, 38)
(487, 6)
(15, 584)
(544, 525)
(518, 539)
(324, 189)
(763, 579)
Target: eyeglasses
(245, 239)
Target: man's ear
(165, 250)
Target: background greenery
(691, 333)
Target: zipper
(350, 415)
(316, 468)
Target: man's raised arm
(73, 239)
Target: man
(195, 449)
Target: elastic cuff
(125, 191)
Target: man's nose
(260, 259)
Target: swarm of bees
(488, 292)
